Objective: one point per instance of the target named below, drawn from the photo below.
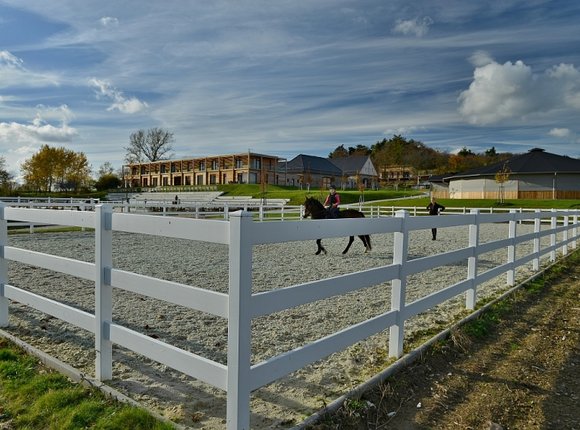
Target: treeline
(57, 170)
(399, 151)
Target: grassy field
(385, 197)
(297, 196)
(33, 397)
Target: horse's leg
(350, 241)
(320, 247)
(368, 244)
(366, 240)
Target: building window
(239, 163)
(162, 168)
(202, 165)
(256, 163)
(212, 179)
(214, 165)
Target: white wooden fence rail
(241, 233)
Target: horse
(315, 210)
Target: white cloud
(39, 130)
(501, 92)
(13, 73)
(9, 60)
(418, 27)
(481, 58)
(120, 102)
(560, 132)
(19, 141)
(108, 21)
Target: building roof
(350, 165)
(535, 161)
(310, 163)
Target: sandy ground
(284, 403)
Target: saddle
(331, 213)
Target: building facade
(536, 174)
(243, 168)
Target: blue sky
(288, 77)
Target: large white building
(536, 174)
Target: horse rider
(331, 203)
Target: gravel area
(281, 404)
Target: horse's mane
(314, 201)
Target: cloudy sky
(285, 77)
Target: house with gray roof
(357, 169)
(536, 174)
(310, 170)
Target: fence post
(511, 273)
(574, 230)
(103, 292)
(537, 229)
(4, 317)
(239, 322)
(471, 293)
(398, 286)
(565, 236)
(553, 225)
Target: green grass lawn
(33, 397)
(297, 196)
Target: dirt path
(516, 368)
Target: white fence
(240, 306)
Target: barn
(536, 174)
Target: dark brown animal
(315, 210)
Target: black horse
(315, 210)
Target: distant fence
(241, 233)
(262, 209)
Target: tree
(57, 169)
(339, 152)
(491, 152)
(105, 169)
(152, 145)
(359, 150)
(108, 181)
(107, 178)
(501, 177)
(6, 178)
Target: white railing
(240, 306)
